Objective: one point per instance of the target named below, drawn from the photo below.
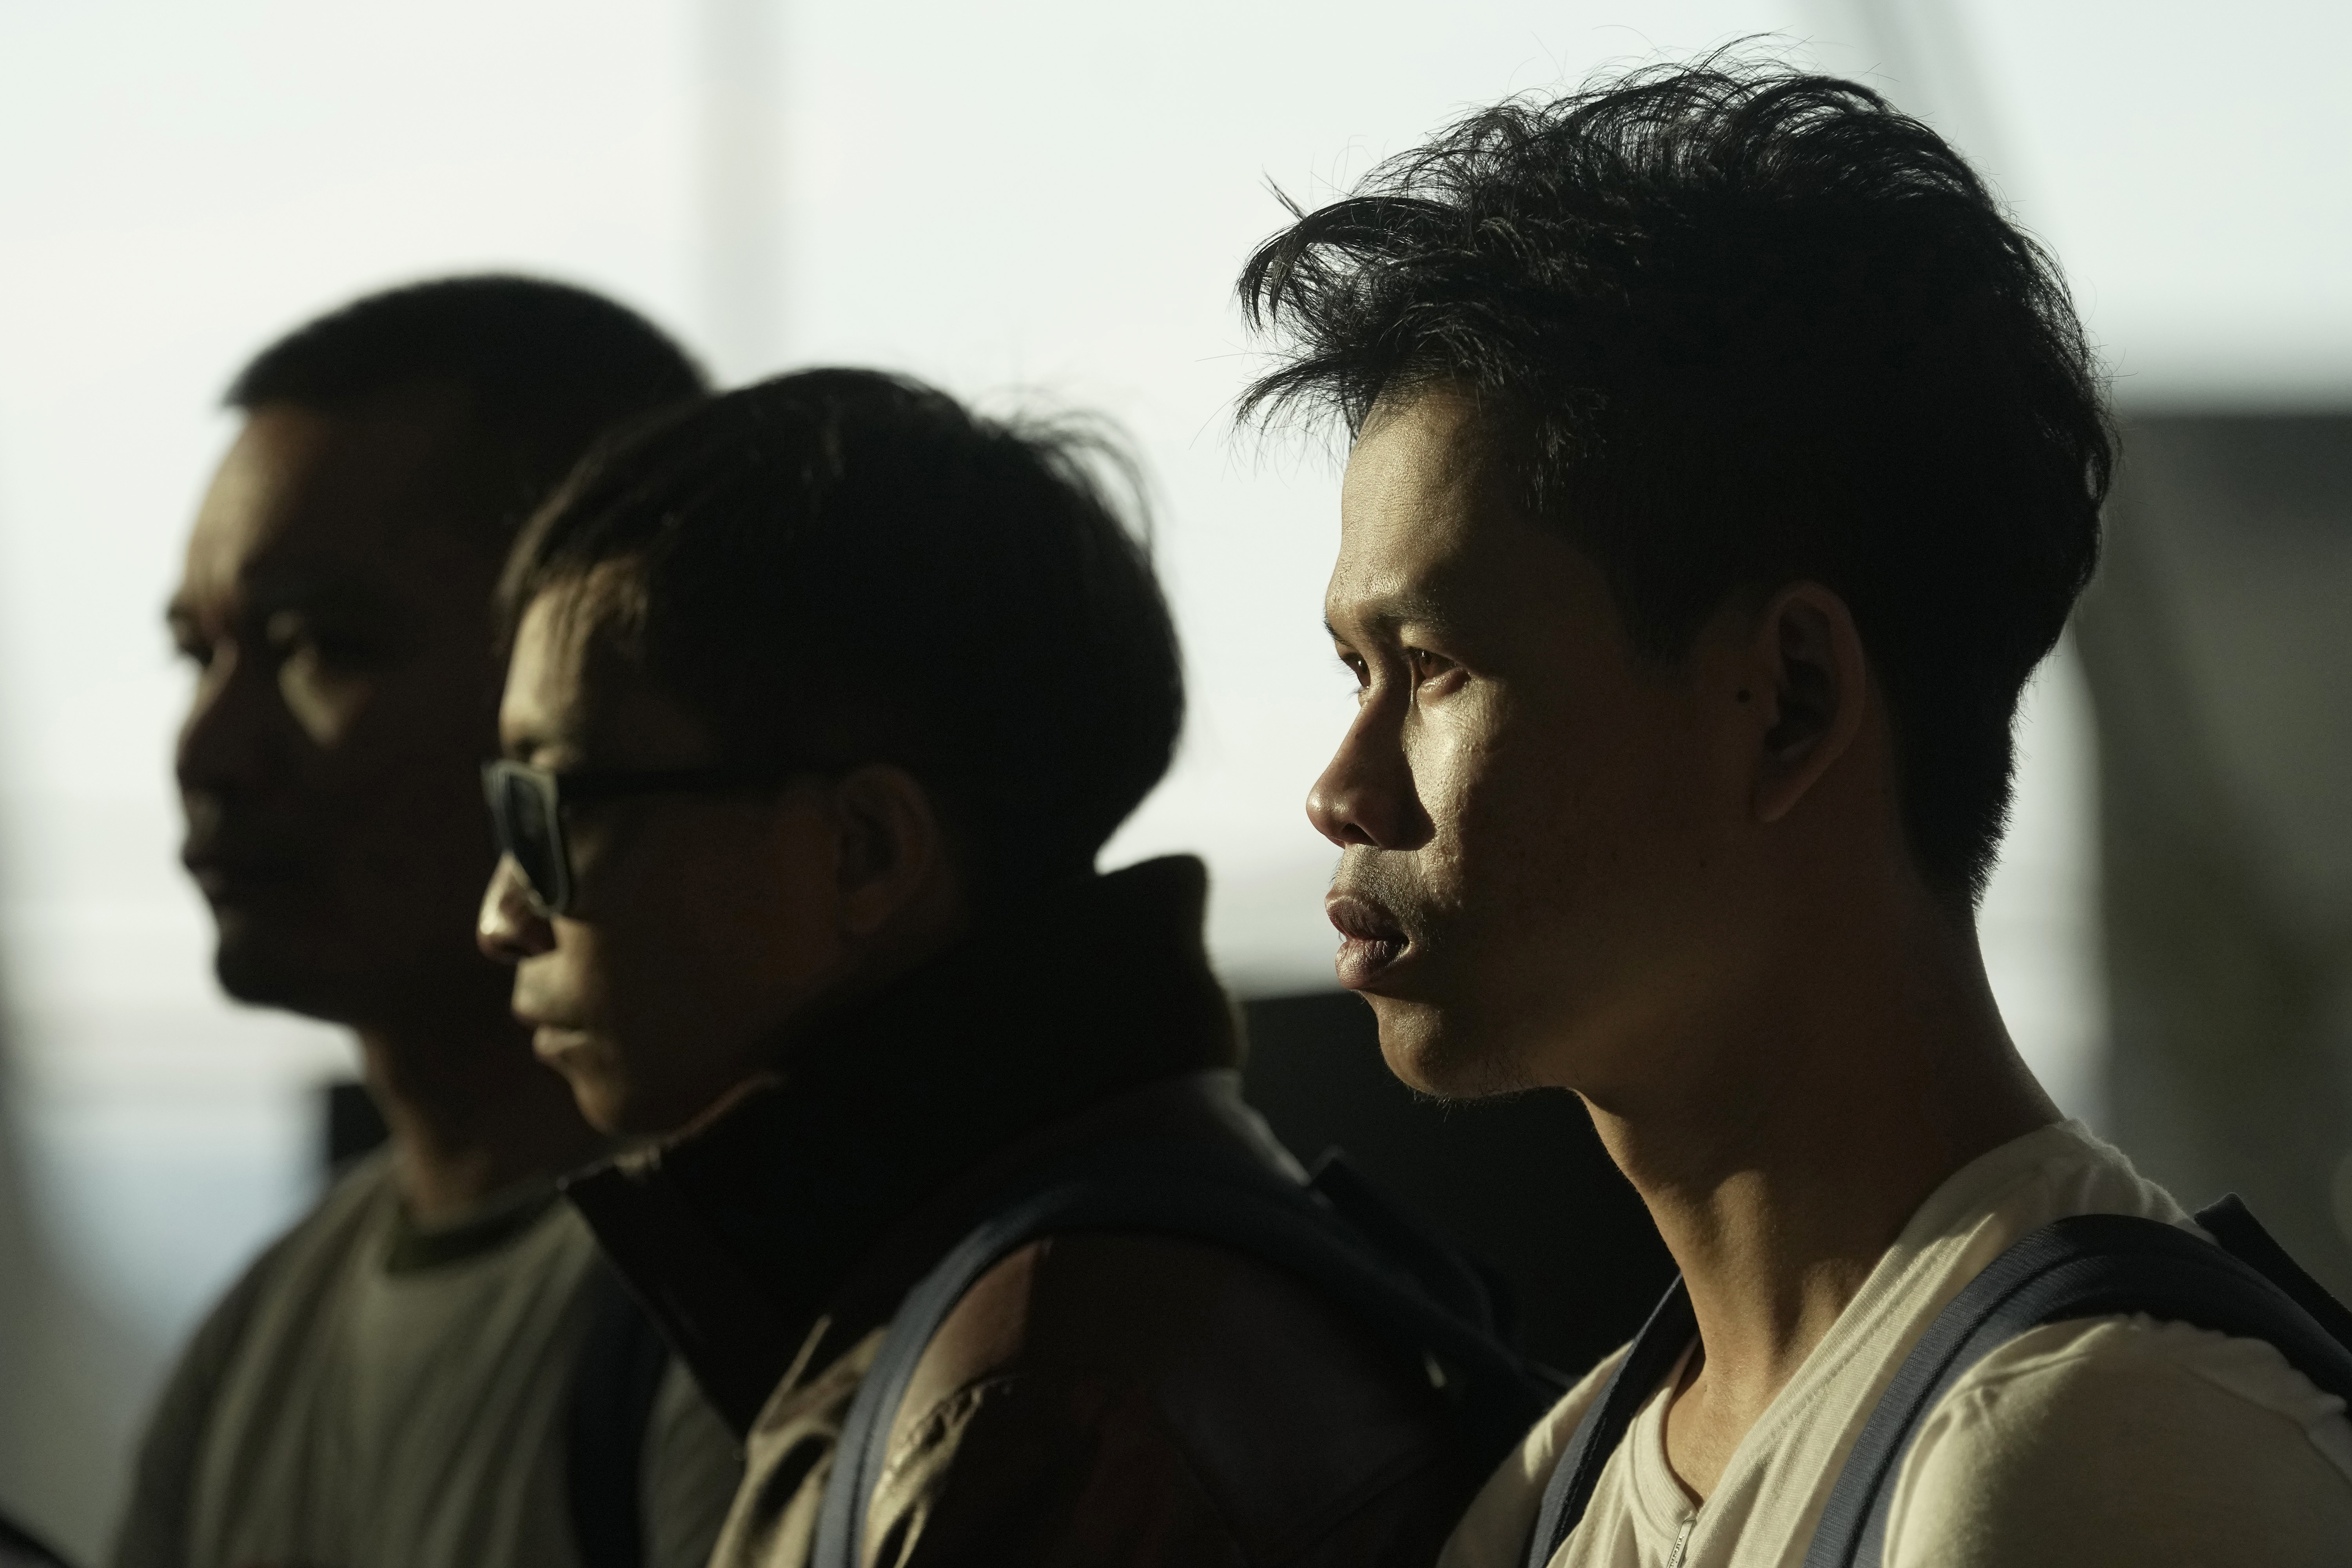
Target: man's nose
(227, 739)
(510, 927)
(1366, 795)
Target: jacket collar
(739, 1231)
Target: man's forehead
(1419, 517)
(307, 497)
(547, 687)
(1436, 439)
(574, 684)
(1378, 589)
(325, 587)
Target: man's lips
(552, 1042)
(544, 1012)
(224, 876)
(1371, 940)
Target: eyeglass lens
(529, 833)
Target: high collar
(740, 1231)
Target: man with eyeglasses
(433, 1366)
(824, 696)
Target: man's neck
(1823, 1117)
(471, 1112)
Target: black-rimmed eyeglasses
(527, 810)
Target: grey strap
(1663, 1338)
(2089, 1266)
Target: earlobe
(1814, 687)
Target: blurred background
(1044, 202)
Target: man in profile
(431, 1367)
(1724, 463)
(824, 696)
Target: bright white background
(1040, 201)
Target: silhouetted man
(824, 696)
(1724, 462)
(432, 1367)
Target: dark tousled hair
(1741, 327)
(543, 370)
(849, 563)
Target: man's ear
(1812, 683)
(892, 846)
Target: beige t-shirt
(372, 1396)
(2109, 1440)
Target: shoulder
(2116, 1438)
(1494, 1533)
(1191, 1322)
(283, 1277)
(358, 1206)
(1104, 1376)
(353, 1207)
(693, 1466)
(286, 1276)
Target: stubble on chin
(1437, 1039)
(1435, 1050)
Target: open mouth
(1371, 940)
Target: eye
(1427, 666)
(1357, 667)
(293, 636)
(189, 645)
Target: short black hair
(1742, 326)
(545, 369)
(850, 562)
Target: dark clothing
(19, 1548)
(1093, 1398)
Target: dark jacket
(1127, 1399)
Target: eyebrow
(327, 592)
(1389, 611)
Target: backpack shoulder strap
(1663, 1338)
(1199, 1192)
(2089, 1266)
(614, 1385)
(2228, 1222)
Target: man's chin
(606, 1107)
(262, 968)
(1434, 1052)
(609, 1100)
